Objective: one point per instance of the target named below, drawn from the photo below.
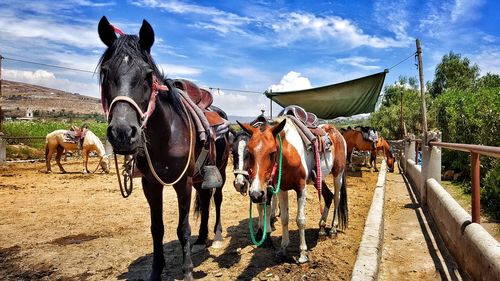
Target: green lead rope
(274, 191)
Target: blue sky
(250, 45)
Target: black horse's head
(240, 161)
(127, 73)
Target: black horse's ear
(277, 129)
(106, 32)
(146, 36)
(246, 128)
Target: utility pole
(401, 128)
(1, 112)
(1, 58)
(422, 91)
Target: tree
(453, 72)
(489, 80)
(387, 119)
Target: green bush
(490, 192)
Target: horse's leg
(349, 155)
(285, 239)
(59, 152)
(183, 190)
(337, 182)
(373, 159)
(154, 196)
(264, 220)
(328, 196)
(274, 210)
(202, 205)
(301, 224)
(48, 157)
(217, 243)
(85, 156)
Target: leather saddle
(201, 97)
(307, 118)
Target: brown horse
(264, 150)
(354, 139)
(55, 142)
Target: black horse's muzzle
(124, 132)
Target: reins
(188, 158)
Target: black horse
(148, 119)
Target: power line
(412, 55)
(49, 65)
(234, 90)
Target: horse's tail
(343, 210)
(197, 202)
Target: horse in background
(58, 141)
(297, 166)
(355, 139)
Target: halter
(155, 87)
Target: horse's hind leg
(373, 159)
(48, 157)
(202, 205)
(217, 244)
(154, 196)
(59, 153)
(337, 182)
(328, 196)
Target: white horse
(55, 141)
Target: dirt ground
(78, 227)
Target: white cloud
(296, 26)
(172, 70)
(290, 82)
(465, 10)
(240, 104)
(360, 62)
(487, 60)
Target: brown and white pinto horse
(298, 162)
(354, 139)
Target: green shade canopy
(332, 101)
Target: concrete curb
(370, 248)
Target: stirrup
(211, 177)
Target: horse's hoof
(48, 172)
(332, 231)
(281, 255)
(217, 244)
(322, 232)
(198, 248)
(303, 258)
(188, 276)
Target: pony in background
(57, 141)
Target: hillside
(18, 97)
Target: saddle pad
(214, 118)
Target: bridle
(144, 115)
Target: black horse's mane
(129, 45)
